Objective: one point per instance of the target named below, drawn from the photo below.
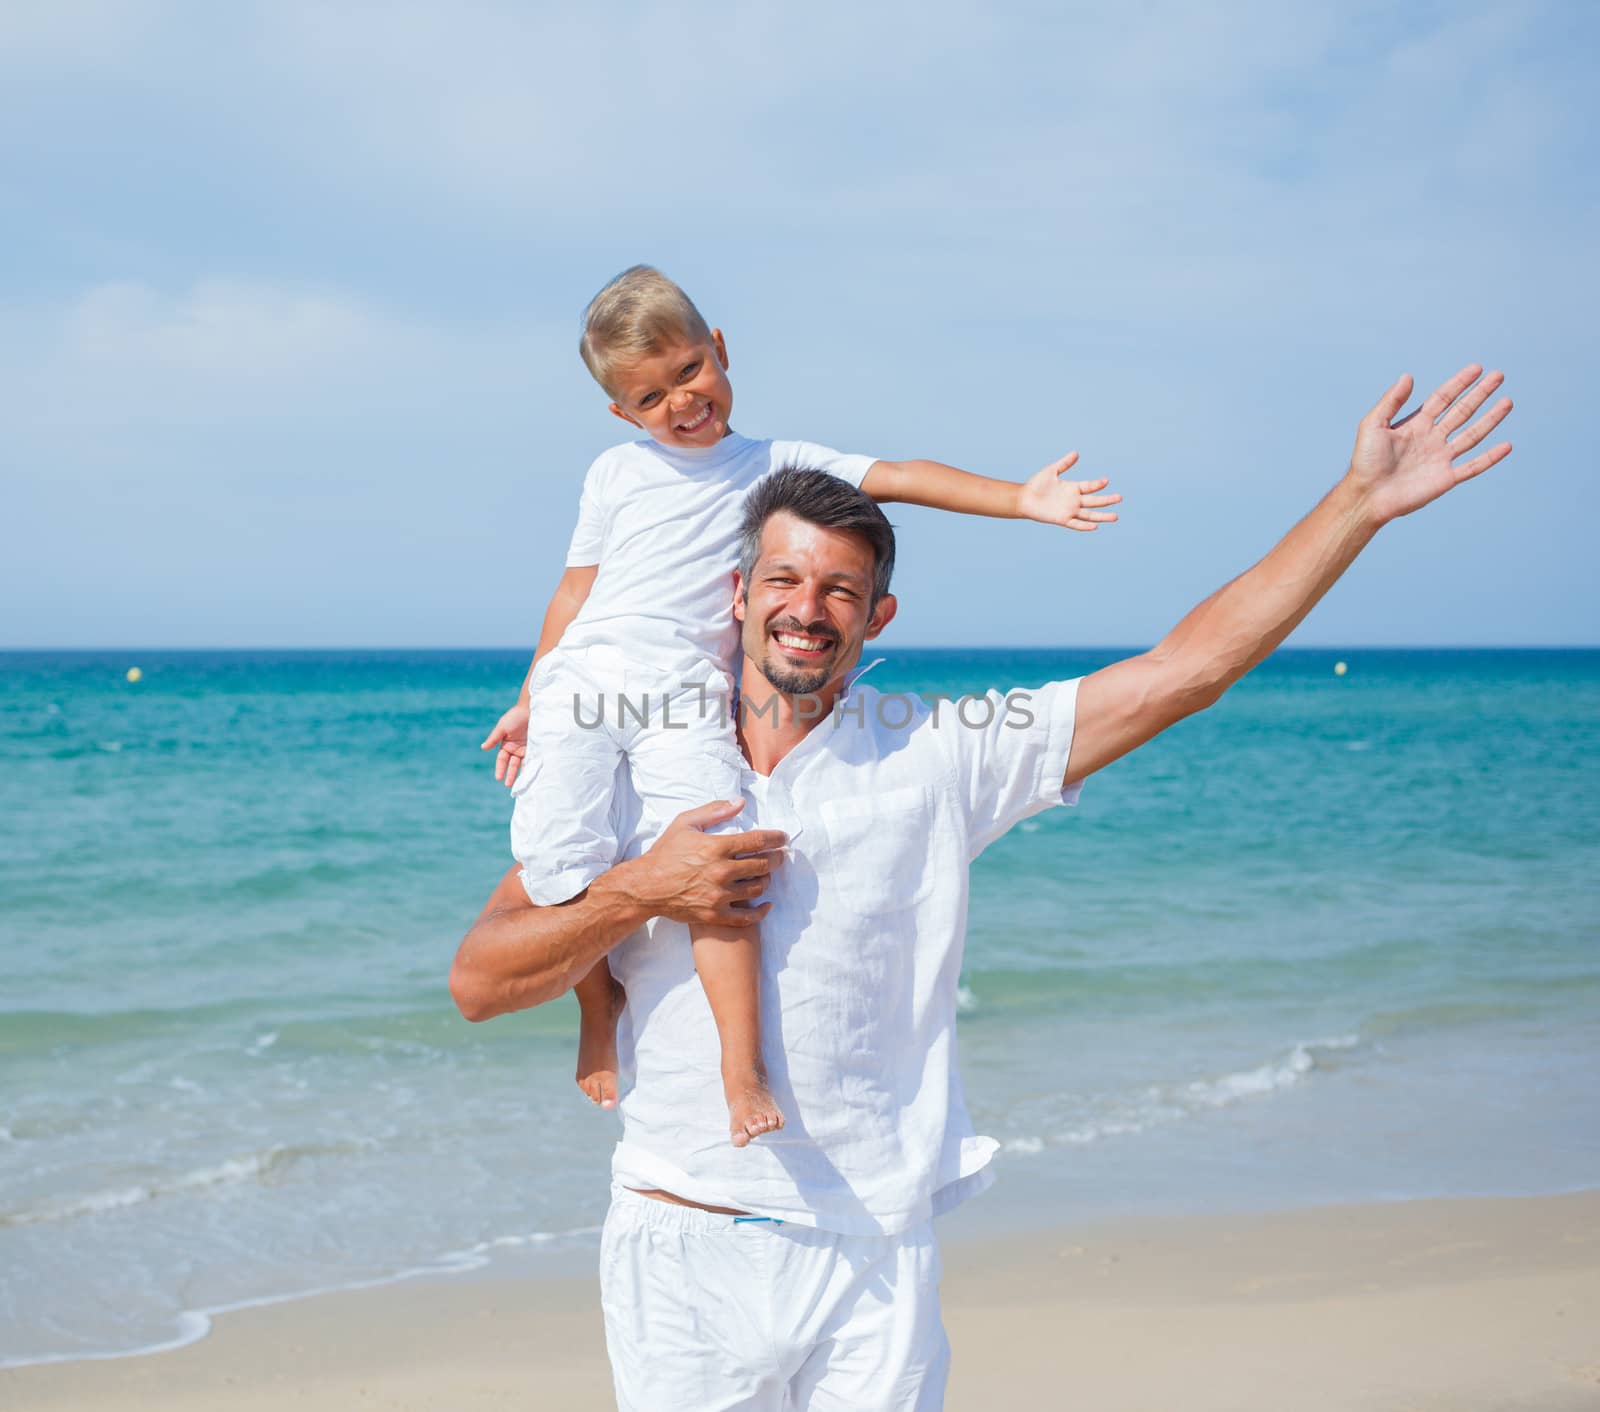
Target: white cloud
(1193, 241)
(227, 334)
(123, 366)
(124, 352)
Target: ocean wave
(1163, 1104)
(289, 880)
(516, 1242)
(1266, 1078)
(36, 1031)
(257, 1166)
(1023, 1146)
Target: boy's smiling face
(679, 395)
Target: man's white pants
(709, 1313)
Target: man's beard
(792, 682)
(796, 681)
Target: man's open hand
(1052, 501)
(1401, 465)
(696, 877)
(510, 733)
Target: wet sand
(1427, 1306)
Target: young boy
(638, 642)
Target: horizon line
(908, 646)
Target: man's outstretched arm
(1397, 467)
(518, 955)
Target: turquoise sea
(1339, 939)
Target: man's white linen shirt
(662, 522)
(885, 802)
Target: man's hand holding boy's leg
(518, 955)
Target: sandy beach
(1427, 1306)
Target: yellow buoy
(135, 674)
(1339, 669)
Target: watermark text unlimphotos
(895, 710)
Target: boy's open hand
(1074, 503)
(511, 735)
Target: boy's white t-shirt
(662, 522)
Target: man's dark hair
(823, 500)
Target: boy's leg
(562, 827)
(693, 762)
(600, 1001)
(728, 962)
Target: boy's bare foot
(752, 1110)
(597, 1050)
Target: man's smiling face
(680, 395)
(805, 610)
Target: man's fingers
(756, 841)
(1482, 427)
(1460, 412)
(1389, 405)
(1479, 464)
(1450, 389)
(732, 916)
(743, 870)
(704, 816)
(737, 870)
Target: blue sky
(290, 300)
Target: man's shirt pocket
(881, 861)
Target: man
(802, 1271)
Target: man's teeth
(805, 644)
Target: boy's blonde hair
(633, 317)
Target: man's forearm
(517, 955)
(942, 487)
(1217, 642)
(1245, 621)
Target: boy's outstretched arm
(511, 730)
(1044, 496)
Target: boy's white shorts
(587, 708)
(708, 1313)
